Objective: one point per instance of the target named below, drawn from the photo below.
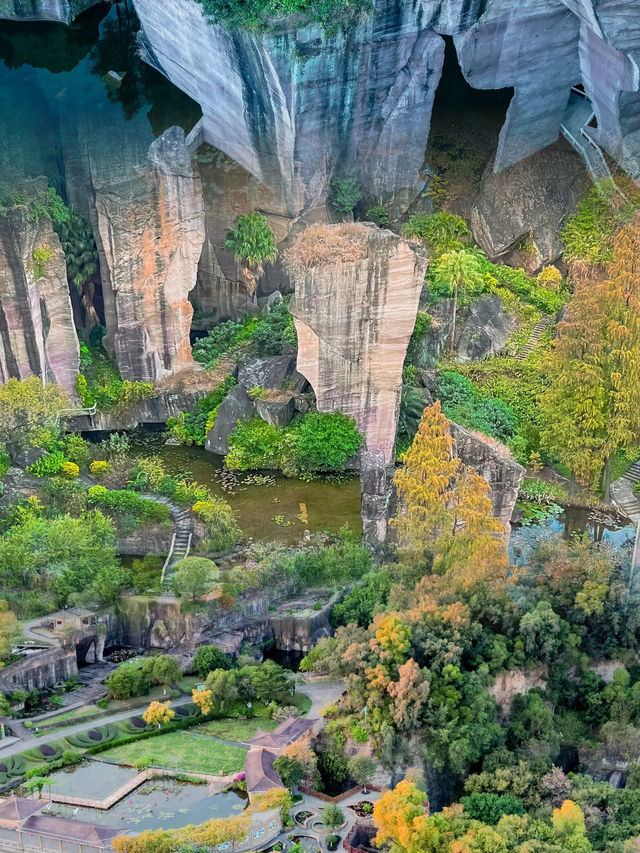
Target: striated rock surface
(37, 335)
(494, 462)
(61, 11)
(236, 408)
(354, 319)
(147, 213)
(529, 199)
(486, 331)
(295, 107)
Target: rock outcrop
(60, 11)
(296, 106)
(486, 330)
(148, 218)
(37, 334)
(529, 200)
(494, 462)
(354, 319)
(236, 408)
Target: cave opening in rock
(465, 126)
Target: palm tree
(252, 242)
(461, 270)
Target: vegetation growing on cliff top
(261, 14)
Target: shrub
(125, 502)
(321, 244)
(256, 14)
(441, 232)
(255, 444)
(550, 277)
(48, 465)
(220, 521)
(379, 215)
(192, 577)
(69, 470)
(589, 234)
(345, 194)
(489, 808)
(252, 241)
(464, 404)
(99, 467)
(76, 449)
(326, 441)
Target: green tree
(223, 685)
(345, 194)
(459, 270)
(127, 680)
(489, 808)
(289, 769)
(361, 770)
(111, 581)
(27, 410)
(162, 669)
(10, 630)
(270, 682)
(208, 658)
(332, 816)
(192, 577)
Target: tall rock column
(37, 334)
(356, 297)
(149, 229)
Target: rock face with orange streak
(149, 225)
(354, 319)
(37, 335)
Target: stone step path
(535, 336)
(575, 129)
(182, 538)
(624, 496)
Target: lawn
(182, 751)
(232, 728)
(301, 702)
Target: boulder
(427, 350)
(270, 372)
(486, 331)
(529, 200)
(236, 408)
(277, 411)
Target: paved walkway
(322, 693)
(13, 749)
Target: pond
(570, 521)
(99, 778)
(161, 803)
(280, 512)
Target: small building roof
(259, 771)
(17, 809)
(287, 732)
(72, 830)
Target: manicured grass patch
(188, 683)
(234, 729)
(183, 751)
(301, 702)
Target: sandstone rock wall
(354, 320)
(37, 334)
(494, 462)
(146, 207)
(296, 106)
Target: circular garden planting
(363, 809)
(138, 722)
(47, 750)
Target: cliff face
(145, 204)
(354, 319)
(62, 11)
(295, 107)
(37, 334)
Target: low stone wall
(38, 670)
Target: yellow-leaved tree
(445, 521)
(158, 713)
(591, 408)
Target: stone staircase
(535, 336)
(180, 545)
(630, 502)
(575, 129)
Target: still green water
(274, 512)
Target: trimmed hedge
(193, 719)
